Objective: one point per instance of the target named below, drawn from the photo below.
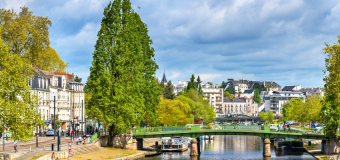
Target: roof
(234, 83)
(249, 91)
(311, 89)
(290, 92)
(227, 99)
(288, 88)
(164, 78)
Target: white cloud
(14, 4)
(84, 39)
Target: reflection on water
(233, 147)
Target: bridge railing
(298, 130)
(199, 128)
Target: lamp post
(85, 126)
(82, 121)
(54, 119)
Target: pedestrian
(53, 156)
(289, 127)
(80, 139)
(284, 127)
(278, 127)
(15, 146)
(77, 140)
(84, 138)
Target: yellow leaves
(28, 36)
(50, 60)
(172, 112)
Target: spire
(164, 78)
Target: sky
(279, 40)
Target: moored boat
(174, 143)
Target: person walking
(278, 127)
(53, 156)
(15, 146)
(289, 128)
(284, 127)
(77, 140)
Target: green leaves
(18, 105)
(257, 97)
(122, 85)
(331, 103)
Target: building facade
(313, 91)
(243, 83)
(239, 106)
(214, 95)
(59, 91)
(275, 100)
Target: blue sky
(279, 40)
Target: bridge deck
(196, 131)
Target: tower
(164, 81)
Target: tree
(250, 86)
(223, 84)
(169, 91)
(331, 104)
(270, 116)
(174, 112)
(264, 117)
(200, 91)
(77, 79)
(257, 97)
(210, 83)
(231, 90)
(226, 94)
(50, 60)
(192, 83)
(28, 36)
(18, 105)
(199, 80)
(122, 83)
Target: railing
(265, 128)
(96, 135)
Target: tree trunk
(112, 135)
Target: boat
(174, 143)
(282, 143)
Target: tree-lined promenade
(122, 90)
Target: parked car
(50, 132)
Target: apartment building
(214, 95)
(58, 89)
(276, 99)
(313, 91)
(243, 106)
(242, 85)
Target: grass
(36, 156)
(105, 153)
(310, 147)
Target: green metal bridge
(195, 131)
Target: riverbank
(106, 153)
(315, 150)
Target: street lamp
(85, 126)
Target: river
(233, 147)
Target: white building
(239, 106)
(313, 91)
(249, 93)
(239, 88)
(214, 95)
(180, 86)
(295, 88)
(275, 101)
(61, 86)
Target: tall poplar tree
(122, 82)
(331, 102)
